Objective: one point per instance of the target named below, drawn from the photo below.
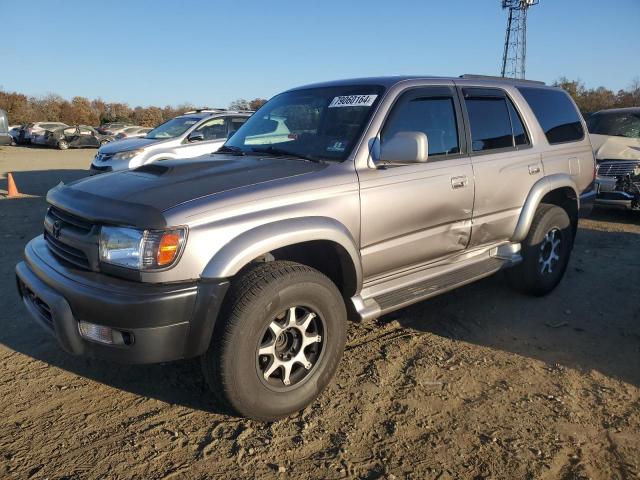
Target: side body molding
(265, 238)
(537, 192)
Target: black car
(79, 136)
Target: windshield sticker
(190, 122)
(337, 146)
(353, 101)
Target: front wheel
(545, 252)
(278, 341)
(63, 145)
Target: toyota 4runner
(336, 201)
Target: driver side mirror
(196, 137)
(405, 147)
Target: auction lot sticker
(353, 101)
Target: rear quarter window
(556, 114)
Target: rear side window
(556, 114)
(490, 123)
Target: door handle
(534, 169)
(459, 182)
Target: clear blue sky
(211, 52)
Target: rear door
(417, 213)
(72, 136)
(504, 164)
(87, 138)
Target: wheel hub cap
(550, 251)
(290, 347)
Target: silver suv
(336, 201)
(189, 135)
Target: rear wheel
(545, 252)
(63, 145)
(278, 342)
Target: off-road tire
(253, 301)
(527, 277)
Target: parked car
(190, 135)
(37, 129)
(5, 138)
(79, 136)
(112, 128)
(133, 132)
(615, 136)
(14, 132)
(386, 191)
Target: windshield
(622, 124)
(173, 128)
(316, 123)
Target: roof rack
(503, 79)
(216, 110)
(205, 110)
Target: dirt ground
(477, 383)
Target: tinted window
(213, 129)
(555, 113)
(490, 123)
(519, 133)
(618, 124)
(236, 123)
(433, 116)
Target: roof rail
(205, 110)
(503, 79)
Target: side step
(387, 296)
(438, 284)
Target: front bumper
(587, 200)
(166, 322)
(609, 196)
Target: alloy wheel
(291, 347)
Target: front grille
(69, 219)
(71, 238)
(66, 252)
(617, 168)
(104, 157)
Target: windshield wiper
(230, 149)
(279, 151)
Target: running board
(387, 296)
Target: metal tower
(515, 42)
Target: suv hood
(127, 144)
(606, 147)
(138, 197)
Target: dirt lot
(478, 383)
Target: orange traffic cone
(13, 190)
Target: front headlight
(128, 155)
(141, 249)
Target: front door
(418, 213)
(214, 132)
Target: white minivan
(189, 135)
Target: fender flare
(257, 241)
(537, 192)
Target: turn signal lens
(168, 248)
